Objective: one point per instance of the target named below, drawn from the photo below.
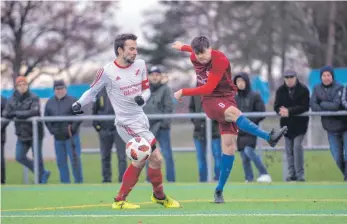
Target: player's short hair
(120, 40)
(199, 44)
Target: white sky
(130, 15)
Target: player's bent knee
(139, 165)
(155, 159)
(229, 150)
(229, 144)
(232, 114)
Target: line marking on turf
(177, 215)
(278, 200)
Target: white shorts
(139, 128)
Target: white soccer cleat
(265, 178)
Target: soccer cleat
(264, 178)
(218, 197)
(275, 136)
(124, 205)
(167, 202)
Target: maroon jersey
(225, 86)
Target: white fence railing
(35, 121)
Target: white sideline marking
(178, 215)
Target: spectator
(22, 105)
(344, 104)
(249, 101)
(200, 141)
(160, 102)
(293, 98)
(327, 97)
(108, 135)
(66, 133)
(3, 139)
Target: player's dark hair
(199, 44)
(120, 41)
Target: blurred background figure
(199, 137)
(344, 104)
(108, 136)
(3, 140)
(160, 102)
(249, 101)
(293, 98)
(66, 134)
(22, 105)
(326, 96)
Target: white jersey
(122, 84)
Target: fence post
(309, 132)
(36, 150)
(284, 165)
(209, 149)
(25, 175)
(259, 147)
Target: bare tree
(35, 35)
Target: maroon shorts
(215, 107)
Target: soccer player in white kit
(127, 87)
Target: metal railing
(208, 121)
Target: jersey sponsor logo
(118, 78)
(131, 86)
(131, 92)
(137, 72)
(201, 79)
(221, 105)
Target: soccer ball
(138, 149)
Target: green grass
(319, 166)
(246, 203)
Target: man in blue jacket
(66, 133)
(326, 96)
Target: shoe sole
(284, 131)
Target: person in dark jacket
(23, 105)
(326, 96)
(3, 140)
(293, 98)
(160, 102)
(108, 135)
(344, 104)
(66, 133)
(249, 101)
(199, 136)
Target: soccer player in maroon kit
(214, 84)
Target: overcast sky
(130, 15)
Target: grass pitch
(324, 202)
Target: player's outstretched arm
(178, 45)
(217, 71)
(89, 95)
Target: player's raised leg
(156, 179)
(228, 149)
(233, 114)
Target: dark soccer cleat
(275, 136)
(218, 197)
